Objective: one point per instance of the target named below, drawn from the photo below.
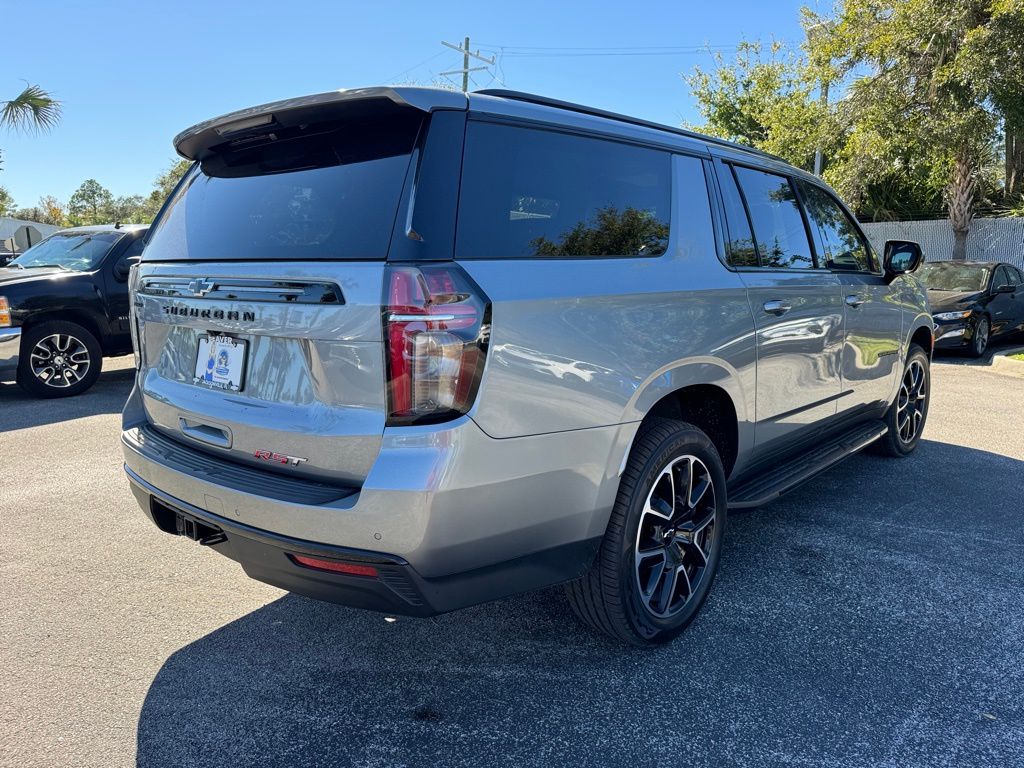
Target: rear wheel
(909, 412)
(979, 343)
(58, 359)
(661, 550)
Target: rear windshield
(327, 191)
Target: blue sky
(132, 75)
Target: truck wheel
(58, 359)
(661, 549)
(907, 415)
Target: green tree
(763, 98)
(130, 209)
(6, 202)
(33, 109)
(164, 185)
(53, 211)
(924, 96)
(91, 203)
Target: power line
(413, 67)
(466, 69)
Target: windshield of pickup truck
(955, 278)
(76, 251)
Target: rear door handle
(853, 300)
(777, 307)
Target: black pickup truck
(64, 307)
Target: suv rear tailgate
(312, 398)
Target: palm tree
(33, 109)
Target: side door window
(1001, 278)
(780, 234)
(844, 248)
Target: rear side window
(1015, 278)
(541, 194)
(775, 216)
(844, 248)
(321, 191)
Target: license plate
(221, 362)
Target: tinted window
(1001, 277)
(740, 244)
(133, 250)
(79, 251)
(534, 193)
(322, 191)
(775, 216)
(695, 234)
(1015, 278)
(844, 248)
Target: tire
(609, 598)
(912, 398)
(75, 352)
(982, 334)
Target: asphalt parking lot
(874, 617)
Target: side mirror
(901, 256)
(1004, 288)
(124, 266)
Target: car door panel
(797, 309)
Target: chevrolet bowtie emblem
(201, 286)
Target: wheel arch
(76, 316)
(707, 393)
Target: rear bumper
(10, 347)
(396, 588)
(466, 517)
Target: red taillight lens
(351, 569)
(436, 327)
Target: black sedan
(973, 302)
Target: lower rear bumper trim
(398, 589)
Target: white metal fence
(989, 239)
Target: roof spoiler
(193, 143)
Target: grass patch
(1018, 356)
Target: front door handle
(777, 307)
(853, 300)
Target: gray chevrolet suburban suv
(410, 350)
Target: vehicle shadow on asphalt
(19, 410)
(856, 621)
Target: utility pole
(466, 69)
(814, 31)
(824, 109)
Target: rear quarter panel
(585, 343)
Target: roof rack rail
(533, 98)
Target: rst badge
(279, 458)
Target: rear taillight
(436, 328)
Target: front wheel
(979, 343)
(907, 415)
(661, 549)
(58, 359)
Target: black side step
(763, 488)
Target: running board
(767, 487)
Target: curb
(1002, 363)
